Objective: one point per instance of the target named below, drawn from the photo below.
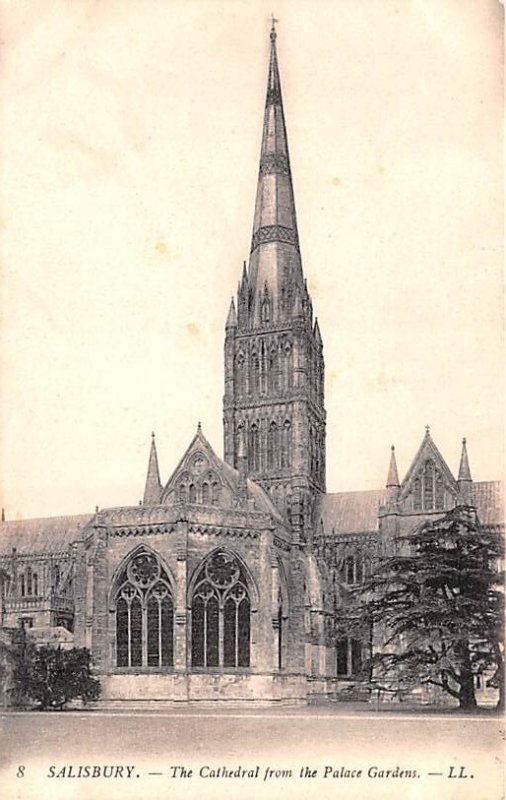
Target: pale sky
(130, 142)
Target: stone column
(100, 610)
(181, 627)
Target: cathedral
(225, 583)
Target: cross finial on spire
(199, 428)
(273, 27)
(427, 430)
(152, 434)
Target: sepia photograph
(252, 429)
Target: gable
(429, 484)
(201, 478)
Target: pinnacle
(393, 475)
(464, 469)
(153, 488)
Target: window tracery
(428, 489)
(144, 614)
(221, 614)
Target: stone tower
(273, 407)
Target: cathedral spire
(153, 489)
(275, 257)
(273, 404)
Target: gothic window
(192, 494)
(273, 371)
(205, 493)
(286, 444)
(56, 577)
(428, 486)
(22, 585)
(417, 494)
(287, 366)
(440, 491)
(272, 446)
(35, 584)
(241, 376)
(254, 449)
(353, 569)
(215, 493)
(144, 614)
(29, 584)
(428, 489)
(221, 614)
(182, 493)
(263, 367)
(265, 311)
(349, 657)
(255, 373)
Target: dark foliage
(51, 676)
(436, 608)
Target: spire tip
(273, 27)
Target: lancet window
(254, 450)
(286, 444)
(428, 489)
(221, 610)
(273, 371)
(287, 365)
(144, 614)
(254, 373)
(29, 583)
(272, 446)
(241, 374)
(354, 569)
(349, 657)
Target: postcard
(252, 346)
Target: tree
(52, 676)
(436, 609)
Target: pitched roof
(488, 497)
(47, 535)
(350, 512)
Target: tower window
(255, 373)
(272, 446)
(286, 444)
(254, 449)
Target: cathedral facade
(225, 584)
